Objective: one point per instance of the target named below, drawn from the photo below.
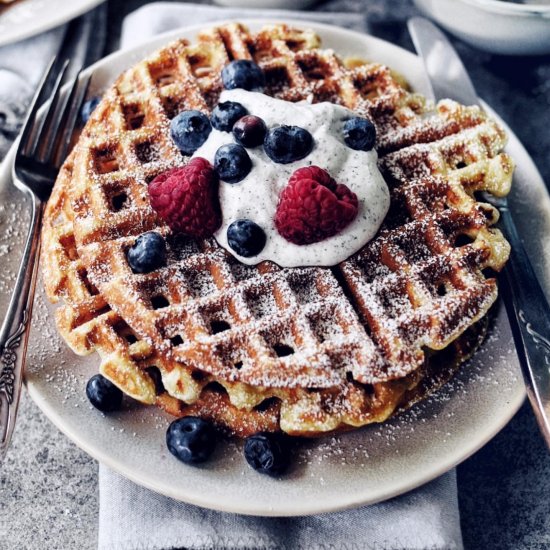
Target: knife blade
(84, 40)
(526, 304)
(447, 75)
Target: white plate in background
(25, 18)
(495, 26)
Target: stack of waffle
(303, 350)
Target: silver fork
(42, 148)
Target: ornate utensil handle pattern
(8, 359)
(15, 329)
(529, 315)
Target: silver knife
(525, 301)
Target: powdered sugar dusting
(14, 219)
(369, 320)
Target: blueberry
(225, 114)
(266, 453)
(249, 131)
(359, 134)
(284, 144)
(232, 163)
(88, 108)
(191, 439)
(190, 130)
(103, 394)
(243, 73)
(148, 253)
(246, 238)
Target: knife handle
(529, 315)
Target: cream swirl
(256, 196)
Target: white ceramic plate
(29, 17)
(363, 467)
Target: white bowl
(493, 25)
(271, 4)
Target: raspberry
(187, 198)
(313, 207)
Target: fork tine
(39, 97)
(54, 128)
(56, 114)
(76, 98)
(41, 126)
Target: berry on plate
(359, 134)
(189, 130)
(249, 131)
(88, 108)
(285, 144)
(191, 439)
(148, 253)
(313, 207)
(225, 114)
(232, 163)
(243, 73)
(246, 238)
(103, 394)
(187, 198)
(265, 452)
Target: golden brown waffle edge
(440, 159)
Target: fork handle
(15, 329)
(529, 315)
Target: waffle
(87, 324)
(317, 349)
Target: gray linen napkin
(21, 66)
(161, 17)
(131, 517)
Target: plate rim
(35, 28)
(484, 435)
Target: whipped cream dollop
(257, 195)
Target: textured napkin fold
(162, 17)
(21, 66)
(131, 517)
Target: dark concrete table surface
(48, 487)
